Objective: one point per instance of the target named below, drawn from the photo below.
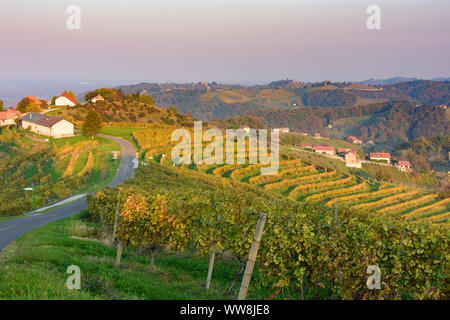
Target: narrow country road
(10, 230)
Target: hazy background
(245, 41)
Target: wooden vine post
(212, 256)
(252, 257)
(119, 246)
(116, 216)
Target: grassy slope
(122, 132)
(102, 173)
(34, 267)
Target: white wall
(63, 101)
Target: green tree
(1, 105)
(71, 94)
(53, 100)
(90, 95)
(92, 124)
(26, 105)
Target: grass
(34, 267)
(104, 168)
(124, 133)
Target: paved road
(12, 229)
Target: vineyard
(55, 170)
(179, 209)
(310, 208)
(305, 180)
(416, 180)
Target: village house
(380, 156)
(404, 166)
(355, 140)
(9, 116)
(306, 145)
(245, 128)
(56, 127)
(97, 98)
(324, 149)
(65, 100)
(342, 151)
(281, 130)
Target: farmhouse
(64, 100)
(56, 127)
(245, 128)
(281, 130)
(404, 166)
(97, 98)
(306, 145)
(8, 117)
(380, 156)
(355, 140)
(324, 149)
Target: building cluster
(56, 127)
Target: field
(272, 98)
(56, 169)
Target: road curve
(12, 229)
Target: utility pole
(252, 257)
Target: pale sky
(224, 40)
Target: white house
(56, 127)
(281, 130)
(65, 100)
(404, 166)
(8, 117)
(380, 156)
(97, 98)
(324, 149)
(245, 128)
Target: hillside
(57, 168)
(389, 122)
(207, 101)
(125, 111)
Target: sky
(245, 41)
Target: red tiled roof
(354, 152)
(10, 114)
(404, 163)
(342, 150)
(380, 155)
(34, 100)
(67, 96)
(353, 138)
(323, 147)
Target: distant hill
(386, 82)
(388, 123)
(390, 81)
(207, 101)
